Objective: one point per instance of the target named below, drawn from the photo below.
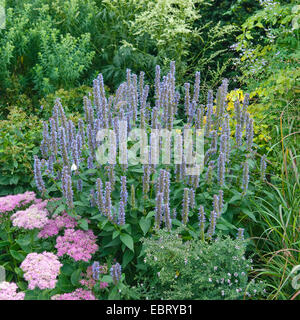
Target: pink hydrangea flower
(11, 202)
(78, 294)
(55, 224)
(41, 270)
(33, 217)
(79, 244)
(8, 291)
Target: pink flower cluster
(78, 294)
(8, 291)
(55, 224)
(79, 244)
(41, 270)
(11, 202)
(36, 216)
(88, 280)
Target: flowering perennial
(77, 244)
(41, 270)
(55, 224)
(11, 202)
(78, 294)
(31, 218)
(8, 291)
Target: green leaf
(60, 209)
(115, 234)
(260, 25)
(63, 283)
(23, 242)
(67, 269)
(19, 256)
(113, 243)
(248, 213)
(107, 279)
(83, 224)
(97, 217)
(145, 224)
(19, 272)
(75, 277)
(114, 295)
(235, 198)
(221, 227)
(127, 240)
(4, 243)
(14, 180)
(22, 285)
(79, 203)
(127, 257)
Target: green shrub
(38, 57)
(51, 45)
(269, 49)
(195, 269)
(19, 139)
(71, 99)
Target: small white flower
(209, 280)
(74, 167)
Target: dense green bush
(269, 62)
(195, 270)
(51, 45)
(19, 137)
(37, 57)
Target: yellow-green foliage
(270, 66)
(71, 100)
(261, 130)
(169, 23)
